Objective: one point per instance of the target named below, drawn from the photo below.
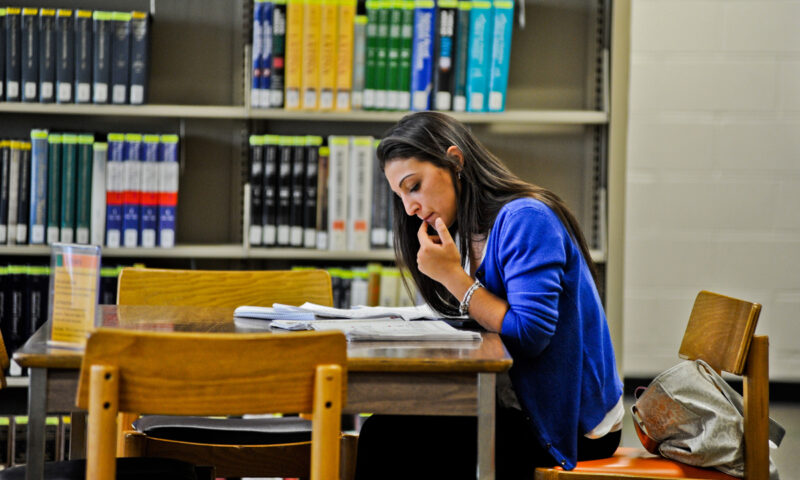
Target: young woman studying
(478, 240)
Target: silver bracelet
(463, 308)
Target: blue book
(30, 54)
(13, 53)
(422, 54)
(149, 192)
(167, 190)
(131, 205)
(65, 55)
(120, 56)
(140, 44)
(83, 56)
(102, 33)
(38, 211)
(47, 55)
(266, 54)
(115, 187)
(257, 52)
(501, 51)
(480, 54)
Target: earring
(459, 175)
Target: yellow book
(309, 81)
(327, 53)
(344, 54)
(294, 53)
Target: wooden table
(411, 378)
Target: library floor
(786, 457)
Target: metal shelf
(176, 111)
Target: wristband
(463, 308)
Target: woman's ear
(453, 151)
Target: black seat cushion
(226, 431)
(127, 469)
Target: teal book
(83, 208)
(480, 54)
(501, 51)
(69, 185)
(53, 187)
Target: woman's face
(426, 190)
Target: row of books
(403, 55)
(82, 56)
(309, 195)
(375, 285)
(66, 187)
(14, 435)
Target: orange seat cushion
(635, 461)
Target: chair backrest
(721, 332)
(223, 288)
(213, 374)
(4, 362)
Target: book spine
(359, 62)
(2, 69)
(39, 178)
(149, 191)
(480, 53)
(168, 190)
(284, 186)
(131, 205)
(13, 53)
(461, 56)
(47, 55)
(255, 229)
(278, 72)
(370, 75)
(359, 290)
(53, 188)
(393, 46)
(310, 195)
(115, 189)
(373, 284)
(501, 54)
(24, 205)
(120, 56)
(101, 59)
(30, 54)
(443, 54)
(83, 211)
(257, 52)
(309, 76)
(380, 198)
(359, 201)
(84, 56)
(381, 53)
(5, 161)
(298, 191)
(322, 198)
(13, 190)
(294, 53)
(406, 48)
(328, 68)
(337, 191)
(140, 56)
(270, 191)
(98, 222)
(69, 171)
(422, 54)
(345, 45)
(65, 55)
(266, 55)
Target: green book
(406, 46)
(371, 54)
(382, 53)
(69, 170)
(83, 210)
(53, 187)
(393, 43)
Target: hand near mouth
(438, 255)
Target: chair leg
(327, 423)
(103, 408)
(756, 410)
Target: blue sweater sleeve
(531, 251)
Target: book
(284, 190)
(393, 45)
(310, 199)
(422, 55)
(69, 185)
(501, 52)
(381, 53)
(65, 55)
(360, 173)
(24, 201)
(38, 289)
(102, 32)
(5, 165)
(390, 287)
(131, 204)
(270, 191)
(13, 53)
(298, 180)
(15, 154)
(115, 188)
(322, 198)
(359, 62)
(148, 197)
(373, 284)
(327, 58)
(120, 56)
(39, 180)
(139, 57)
(265, 84)
(256, 179)
(293, 54)
(257, 52)
(359, 287)
(97, 226)
(83, 207)
(371, 54)
(53, 188)
(380, 227)
(278, 72)
(2, 61)
(310, 54)
(29, 52)
(480, 54)
(84, 55)
(338, 163)
(345, 53)
(168, 190)
(443, 54)
(406, 47)
(461, 56)
(47, 55)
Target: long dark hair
(485, 185)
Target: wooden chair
(720, 331)
(213, 374)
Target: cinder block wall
(713, 174)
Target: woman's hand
(438, 255)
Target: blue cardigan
(564, 373)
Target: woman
(478, 240)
